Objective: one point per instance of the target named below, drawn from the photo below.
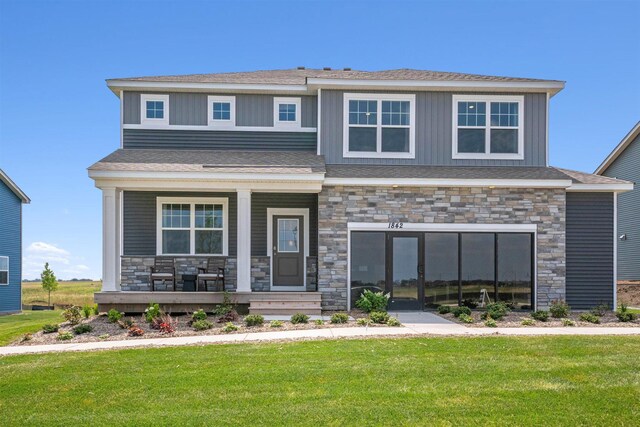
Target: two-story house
(314, 185)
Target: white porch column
(110, 239)
(244, 241)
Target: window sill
(480, 156)
(372, 155)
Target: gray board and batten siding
(190, 109)
(627, 167)
(589, 240)
(434, 131)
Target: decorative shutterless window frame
(287, 112)
(154, 109)
(221, 111)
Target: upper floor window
(488, 127)
(286, 112)
(222, 111)
(154, 109)
(379, 125)
(4, 270)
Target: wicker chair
(214, 272)
(164, 269)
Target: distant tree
(49, 281)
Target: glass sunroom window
(192, 228)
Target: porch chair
(214, 272)
(164, 269)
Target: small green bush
(379, 316)
(226, 307)
(444, 309)
(372, 301)
(64, 336)
(299, 318)
(152, 312)
(457, 311)
(126, 323)
(87, 310)
(229, 327)
(202, 325)
(276, 323)
(254, 320)
(104, 336)
(26, 337)
(363, 321)
(624, 315)
(114, 315)
(339, 318)
(465, 318)
(96, 310)
(72, 315)
(600, 310)
(496, 310)
(393, 322)
(49, 328)
(528, 322)
(590, 317)
(540, 315)
(568, 322)
(559, 309)
(82, 329)
(198, 315)
(319, 322)
(490, 323)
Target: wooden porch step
(285, 312)
(288, 296)
(286, 303)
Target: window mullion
(487, 125)
(192, 229)
(379, 126)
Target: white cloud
(61, 261)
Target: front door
(405, 271)
(288, 250)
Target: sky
(57, 117)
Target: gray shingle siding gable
(11, 246)
(627, 167)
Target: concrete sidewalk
(414, 324)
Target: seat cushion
(210, 276)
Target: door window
(288, 235)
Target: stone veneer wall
(338, 205)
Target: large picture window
(367, 263)
(4, 270)
(488, 127)
(195, 226)
(379, 125)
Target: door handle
(275, 249)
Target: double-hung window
(196, 226)
(377, 125)
(222, 111)
(286, 112)
(488, 127)
(154, 109)
(4, 270)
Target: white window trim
(378, 97)
(8, 279)
(231, 123)
(276, 116)
(192, 229)
(487, 154)
(143, 109)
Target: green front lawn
(418, 381)
(14, 326)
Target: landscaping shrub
(254, 320)
(164, 323)
(528, 322)
(379, 316)
(276, 323)
(96, 310)
(363, 321)
(444, 309)
(230, 316)
(198, 315)
(496, 311)
(26, 337)
(152, 312)
(319, 322)
(226, 307)
(64, 336)
(559, 309)
(568, 322)
(202, 325)
(457, 311)
(49, 328)
(339, 318)
(135, 332)
(590, 317)
(624, 315)
(104, 336)
(465, 318)
(393, 322)
(87, 310)
(372, 301)
(82, 329)
(114, 315)
(600, 310)
(229, 327)
(72, 315)
(540, 315)
(299, 318)
(490, 323)
(468, 302)
(126, 323)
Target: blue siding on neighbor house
(11, 246)
(627, 167)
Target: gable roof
(13, 187)
(626, 141)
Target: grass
(14, 326)
(68, 293)
(418, 381)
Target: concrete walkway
(414, 324)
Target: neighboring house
(624, 163)
(11, 200)
(434, 187)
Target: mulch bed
(629, 293)
(514, 320)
